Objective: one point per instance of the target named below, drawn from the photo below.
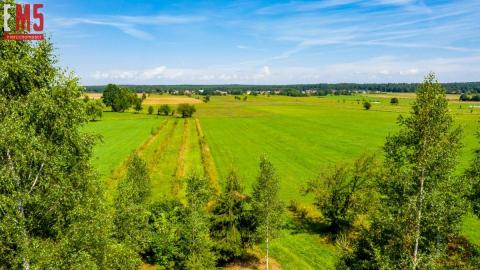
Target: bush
(345, 192)
(367, 105)
(94, 109)
(164, 109)
(138, 105)
(150, 110)
(464, 97)
(394, 101)
(186, 110)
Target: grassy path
(193, 155)
(121, 170)
(177, 185)
(163, 162)
(207, 159)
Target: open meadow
(300, 135)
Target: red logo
(25, 16)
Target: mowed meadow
(300, 135)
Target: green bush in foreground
(131, 209)
(345, 192)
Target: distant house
(310, 92)
(222, 93)
(201, 91)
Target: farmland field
(299, 135)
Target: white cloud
(378, 69)
(264, 72)
(136, 75)
(303, 6)
(128, 24)
(411, 71)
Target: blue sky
(265, 42)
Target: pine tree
(266, 205)
(231, 226)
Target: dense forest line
(295, 89)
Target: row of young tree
(210, 229)
(405, 212)
(53, 211)
(121, 99)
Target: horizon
(239, 84)
(267, 42)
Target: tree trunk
(267, 252)
(418, 220)
(26, 263)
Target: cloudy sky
(269, 42)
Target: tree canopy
(52, 209)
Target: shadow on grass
(246, 261)
(304, 222)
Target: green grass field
(121, 134)
(301, 136)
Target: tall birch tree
(266, 206)
(422, 201)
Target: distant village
(288, 92)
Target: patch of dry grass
(171, 100)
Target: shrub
(186, 110)
(345, 192)
(138, 105)
(394, 101)
(164, 109)
(367, 105)
(94, 109)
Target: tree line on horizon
(296, 89)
